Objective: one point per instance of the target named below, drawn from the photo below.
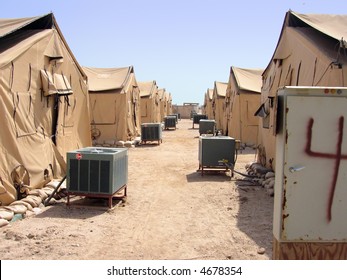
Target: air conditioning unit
(174, 115)
(197, 118)
(207, 126)
(151, 132)
(216, 153)
(97, 172)
(170, 122)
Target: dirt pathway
(171, 212)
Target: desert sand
(171, 213)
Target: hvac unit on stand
(198, 117)
(97, 172)
(216, 153)
(170, 122)
(174, 115)
(207, 126)
(151, 132)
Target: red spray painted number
(337, 156)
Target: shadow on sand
(208, 176)
(80, 208)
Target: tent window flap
(55, 84)
(261, 112)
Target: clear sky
(185, 45)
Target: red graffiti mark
(337, 156)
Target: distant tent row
(241, 101)
(311, 51)
(150, 106)
(232, 105)
(119, 103)
(165, 102)
(50, 105)
(207, 107)
(218, 97)
(115, 103)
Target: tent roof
(161, 93)
(220, 88)
(331, 25)
(103, 79)
(19, 34)
(9, 26)
(248, 79)
(209, 93)
(305, 37)
(147, 88)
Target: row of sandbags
(30, 205)
(119, 144)
(263, 176)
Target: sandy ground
(171, 212)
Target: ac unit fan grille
(94, 175)
(104, 176)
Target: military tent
(311, 51)
(208, 104)
(241, 102)
(115, 104)
(168, 103)
(150, 108)
(44, 105)
(219, 91)
(163, 101)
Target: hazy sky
(185, 45)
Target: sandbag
(120, 143)
(39, 192)
(128, 144)
(48, 190)
(21, 202)
(17, 209)
(54, 184)
(33, 200)
(6, 214)
(3, 222)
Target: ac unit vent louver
(216, 152)
(207, 126)
(170, 122)
(198, 117)
(151, 132)
(97, 171)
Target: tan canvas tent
(163, 101)
(115, 103)
(241, 101)
(311, 51)
(219, 91)
(208, 104)
(150, 107)
(44, 105)
(168, 103)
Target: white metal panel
(311, 198)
